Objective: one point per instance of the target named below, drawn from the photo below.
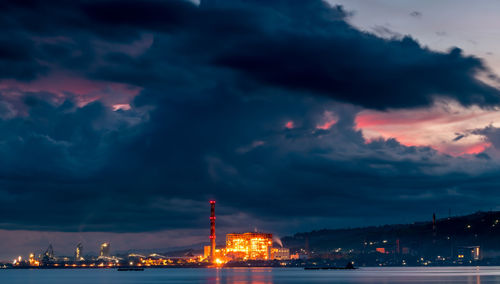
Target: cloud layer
(162, 105)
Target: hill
(445, 239)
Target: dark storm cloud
(320, 52)
(148, 14)
(219, 85)
(17, 59)
(305, 46)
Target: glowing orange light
(248, 246)
(218, 261)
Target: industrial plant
(240, 247)
(465, 240)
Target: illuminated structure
(206, 252)
(280, 253)
(33, 261)
(249, 246)
(105, 248)
(48, 255)
(212, 230)
(78, 252)
(467, 254)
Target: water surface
(469, 275)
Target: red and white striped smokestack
(212, 230)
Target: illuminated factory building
(249, 246)
(280, 253)
(245, 246)
(78, 252)
(239, 247)
(206, 251)
(105, 248)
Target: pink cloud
(328, 121)
(248, 148)
(435, 127)
(478, 148)
(121, 107)
(58, 87)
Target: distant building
(249, 246)
(78, 252)
(105, 249)
(303, 256)
(280, 253)
(206, 251)
(468, 253)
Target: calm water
(474, 275)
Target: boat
(130, 269)
(349, 266)
(327, 268)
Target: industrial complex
(246, 246)
(440, 242)
(242, 246)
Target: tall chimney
(434, 228)
(212, 230)
(434, 223)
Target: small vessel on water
(349, 266)
(130, 269)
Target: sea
(382, 275)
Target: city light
(250, 246)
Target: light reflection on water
(246, 275)
(460, 275)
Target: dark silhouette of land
(442, 242)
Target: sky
(120, 120)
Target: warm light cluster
(109, 262)
(163, 261)
(249, 246)
(32, 261)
